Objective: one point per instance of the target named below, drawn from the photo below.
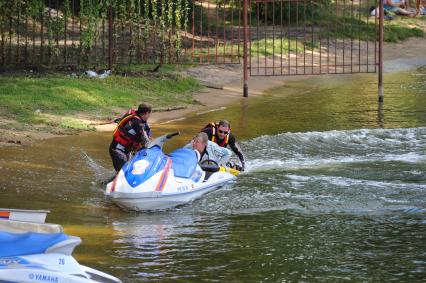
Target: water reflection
(162, 244)
(380, 115)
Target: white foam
(388, 200)
(312, 149)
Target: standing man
(220, 133)
(131, 134)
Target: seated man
(209, 151)
(220, 133)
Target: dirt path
(224, 87)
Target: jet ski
(34, 251)
(152, 180)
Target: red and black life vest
(120, 134)
(214, 138)
(131, 111)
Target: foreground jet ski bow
(34, 251)
(153, 180)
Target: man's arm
(147, 129)
(237, 150)
(389, 3)
(140, 135)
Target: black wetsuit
(136, 130)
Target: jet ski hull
(49, 268)
(161, 202)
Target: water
(334, 192)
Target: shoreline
(223, 87)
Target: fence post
(110, 42)
(380, 79)
(245, 47)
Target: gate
(312, 37)
(307, 37)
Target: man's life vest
(131, 111)
(214, 138)
(120, 134)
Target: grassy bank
(396, 30)
(72, 103)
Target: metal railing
(59, 33)
(289, 37)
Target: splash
(102, 175)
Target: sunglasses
(222, 132)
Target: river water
(335, 190)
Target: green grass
(263, 47)
(33, 100)
(394, 31)
(268, 47)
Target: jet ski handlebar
(161, 140)
(169, 136)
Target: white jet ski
(34, 251)
(153, 180)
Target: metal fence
(97, 33)
(288, 37)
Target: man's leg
(118, 157)
(402, 12)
